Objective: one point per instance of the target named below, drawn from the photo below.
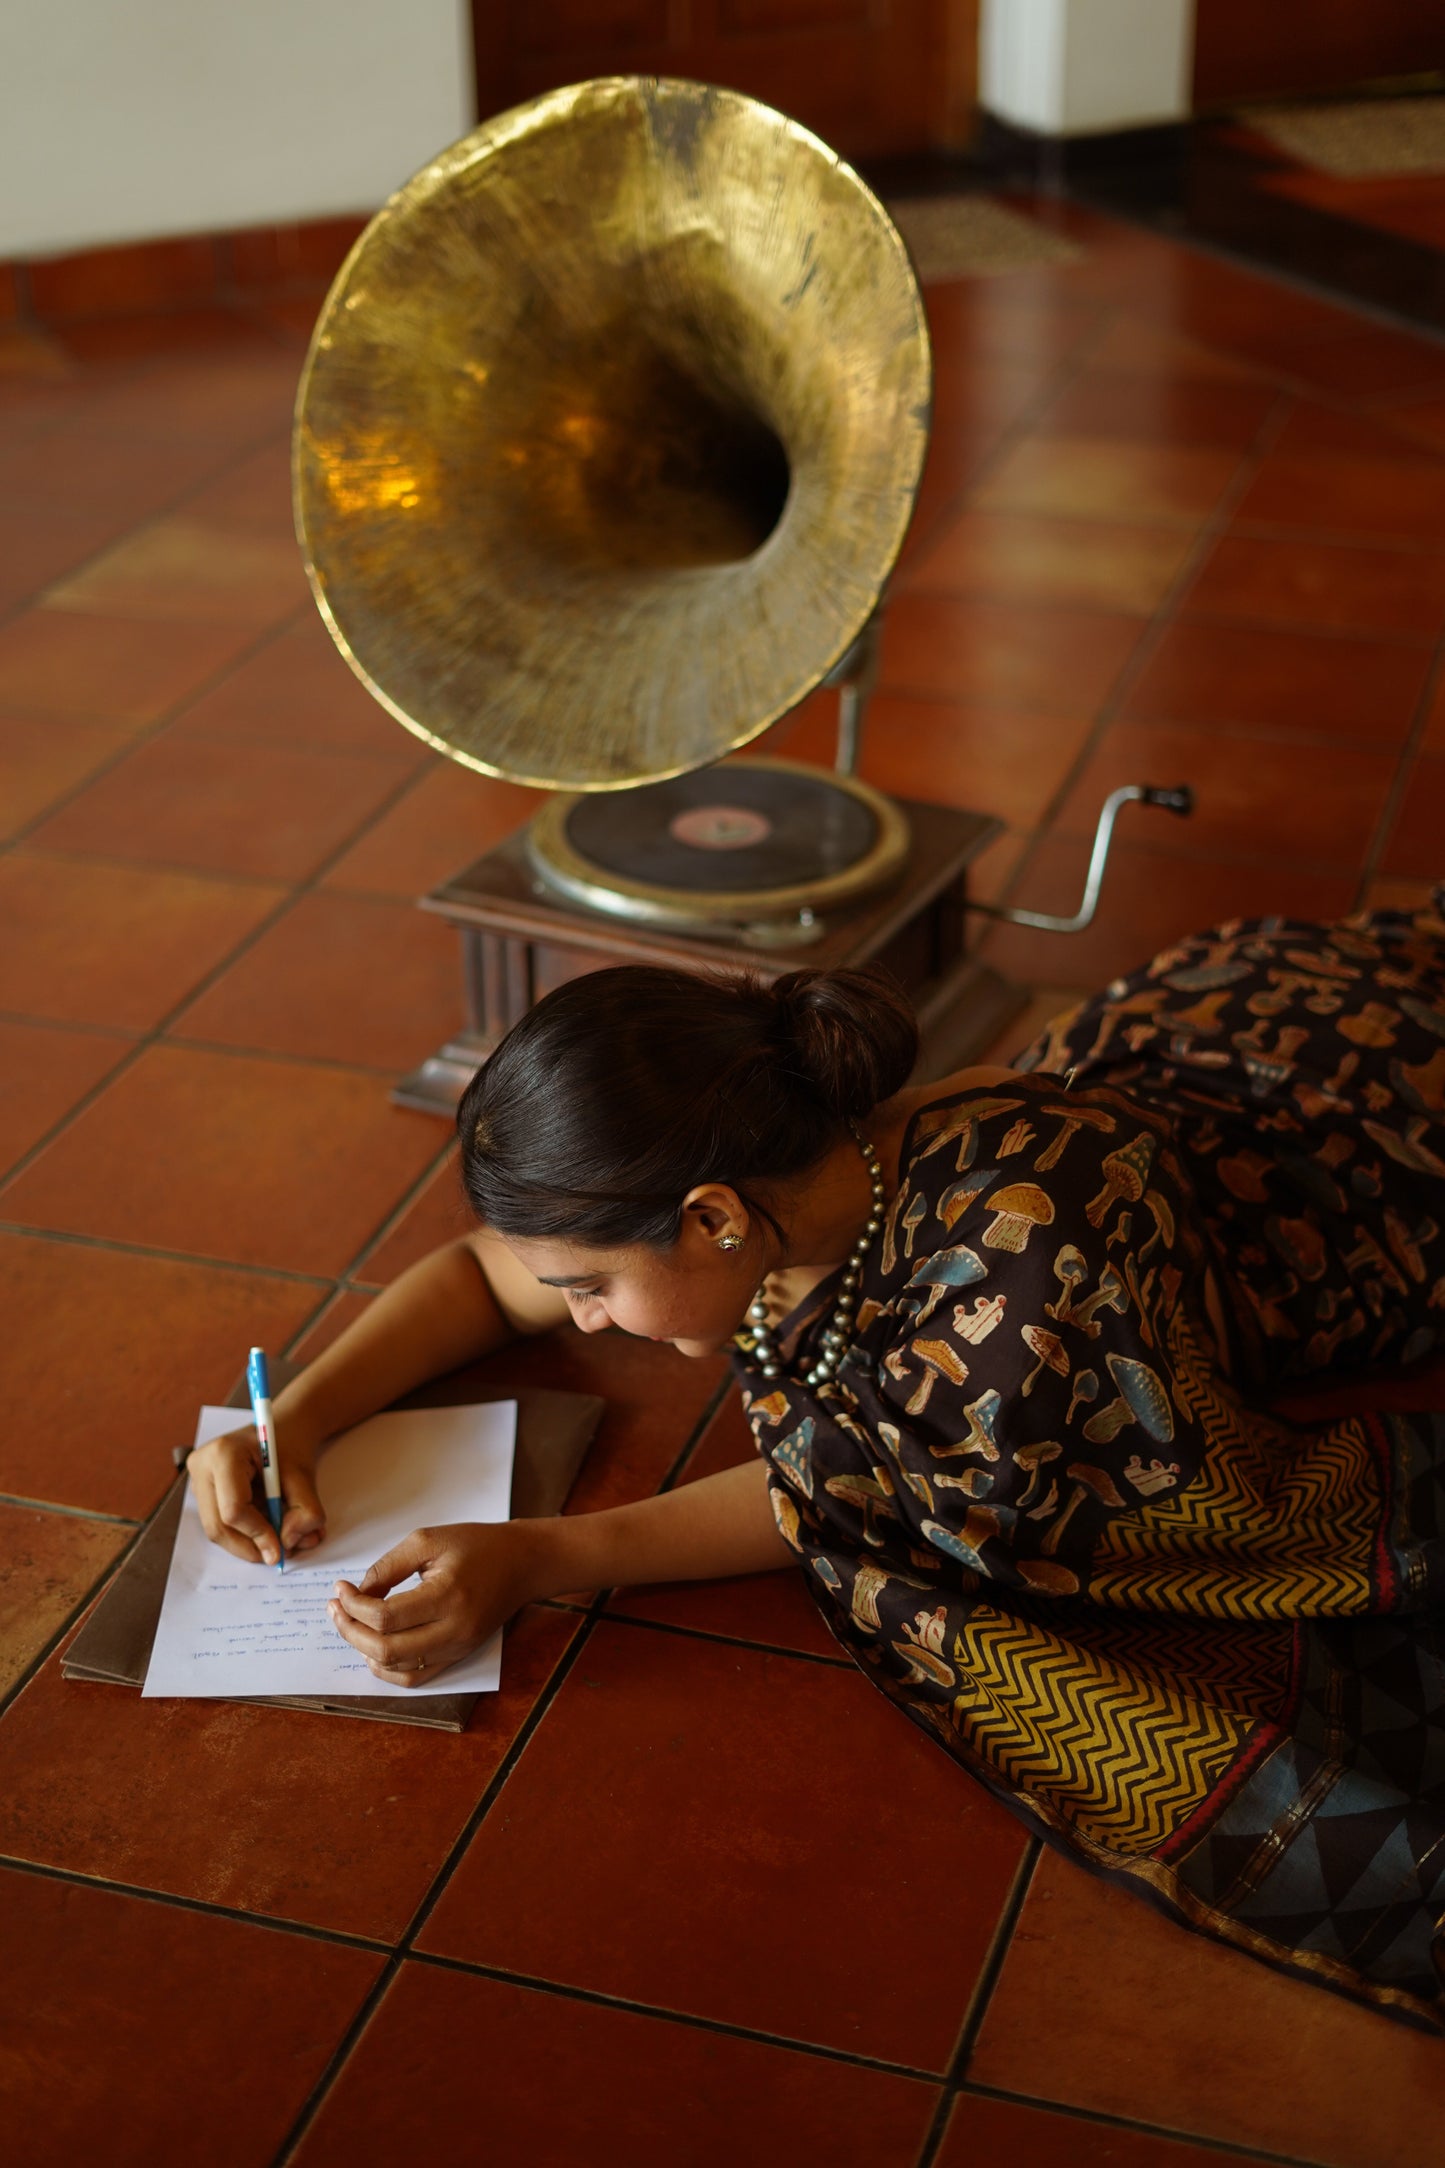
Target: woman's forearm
(438, 1315)
(700, 1531)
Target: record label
(720, 828)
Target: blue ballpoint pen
(260, 1388)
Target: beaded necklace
(764, 1347)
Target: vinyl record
(726, 830)
(745, 840)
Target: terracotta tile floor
(687, 1889)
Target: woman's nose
(592, 1317)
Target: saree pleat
(1045, 1503)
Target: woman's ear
(714, 1211)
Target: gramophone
(606, 445)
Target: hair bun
(851, 1034)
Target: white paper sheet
(228, 1628)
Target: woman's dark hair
(622, 1090)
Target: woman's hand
(473, 1577)
(223, 1474)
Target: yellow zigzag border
(1276, 1526)
(1119, 1755)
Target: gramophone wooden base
(519, 941)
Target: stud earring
(731, 1242)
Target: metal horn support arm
(855, 675)
(1178, 798)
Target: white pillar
(122, 120)
(1084, 67)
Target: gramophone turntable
(606, 445)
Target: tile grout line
(440, 1881)
(1251, 370)
(331, 1290)
(372, 2001)
(1244, 735)
(147, 734)
(76, 1240)
(1172, 854)
(122, 374)
(1211, 530)
(347, 1282)
(601, 1605)
(1248, 859)
(102, 1581)
(1376, 315)
(180, 868)
(271, 1922)
(34, 599)
(1326, 741)
(711, 1409)
(170, 869)
(538, 1709)
(1098, 2118)
(1395, 798)
(1047, 605)
(122, 1037)
(137, 1043)
(720, 1640)
(980, 1997)
(550, 1987)
(1146, 843)
(158, 1031)
(1395, 542)
(334, 1285)
(566, 1991)
(1103, 317)
(392, 1218)
(79, 1513)
(1410, 643)
(1102, 312)
(404, 1950)
(174, 713)
(1057, 378)
(562, 1990)
(590, 1621)
(381, 1071)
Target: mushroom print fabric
(1045, 1502)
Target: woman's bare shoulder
(980, 1078)
(984, 1077)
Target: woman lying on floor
(1004, 1342)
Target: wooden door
(1266, 48)
(873, 78)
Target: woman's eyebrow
(572, 1279)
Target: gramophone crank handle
(1178, 798)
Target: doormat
(958, 237)
(1358, 140)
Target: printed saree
(1045, 1504)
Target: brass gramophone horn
(610, 432)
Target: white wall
(122, 120)
(1076, 67)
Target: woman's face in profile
(693, 1295)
